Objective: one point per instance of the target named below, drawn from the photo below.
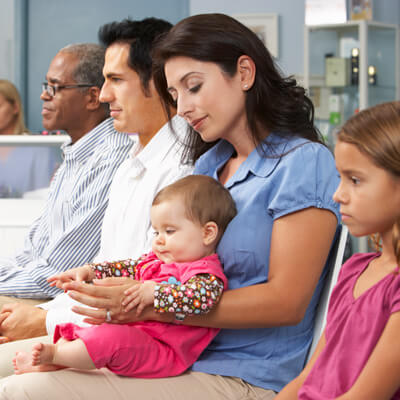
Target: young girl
(358, 357)
(188, 218)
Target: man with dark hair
(154, 161)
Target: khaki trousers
(8, 300)
(101, 384)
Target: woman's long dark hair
(273, 103)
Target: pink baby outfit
(353, 329)
(149, 349)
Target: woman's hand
(104, 295)
(82, 274)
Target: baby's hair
(376, 133)
(204, 199)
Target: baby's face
(176, 238)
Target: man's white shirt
(126, 231)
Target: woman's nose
(183, 107)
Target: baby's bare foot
(40, 360)
(42, 353)
(22, 362)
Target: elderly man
(154, 162)
(68, 231)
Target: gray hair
(90, 63)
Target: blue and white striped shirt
(67, 234)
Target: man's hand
(21, 321)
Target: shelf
(33, 140)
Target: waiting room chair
(331, 279)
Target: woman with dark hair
(272, 103)
(264, 148)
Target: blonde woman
(12, 120)
(22, 168)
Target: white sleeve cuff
(59, 312)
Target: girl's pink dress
(353, 329)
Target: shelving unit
(378, 45)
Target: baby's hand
(140, 296)
(83, 273)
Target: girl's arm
(300, 245)
(289, 392)
(196, 296)
(123, 268)
(379, 378)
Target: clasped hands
(123, 299)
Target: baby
(182, 275)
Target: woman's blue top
(294, 174)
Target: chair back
(330, 281)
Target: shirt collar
(261, 161)
(160, 145)
(86, 145)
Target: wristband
(179, 318)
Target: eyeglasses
(52, 90)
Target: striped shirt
(67, 234)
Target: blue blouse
(295, 175)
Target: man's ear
(247, 71)
(93, 95)
(210, 232)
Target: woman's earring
(245, 87)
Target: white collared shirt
(126, 226)
(126, 231)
